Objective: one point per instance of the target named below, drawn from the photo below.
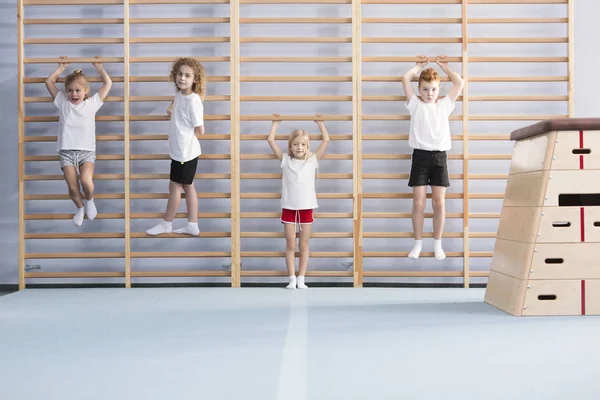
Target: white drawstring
(299, 223)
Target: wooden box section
(505, 292)
(560, 225)
(591, 217)
(526, 189)
(533, 154)
(576, 150)
(565, 261)
(519, 224)
(512, 258)
(553, 297)
(569, 182)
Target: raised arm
(324, 134)
(106, 81)
(410, 74)
(457, 81)
(51, 80)
(271, 139)
(170, 108)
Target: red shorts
(296, 216)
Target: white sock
(163, 227)
(437, 248)
(78, 218)
(190, 229)
(300, 283)
(90, 209)
(416, 250)
(292, 284)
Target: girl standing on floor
(298, 195)
(187, 121)
(76, 143)
(430, 138)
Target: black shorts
(183, 172)
(429, 168)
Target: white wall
(585, 89)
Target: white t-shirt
(429, 124)
(298, 183)
(77, 123)
(187, 113)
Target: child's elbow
(199, 130)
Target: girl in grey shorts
(77, 133)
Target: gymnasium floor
(266, 343)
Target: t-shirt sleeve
(59, 100)
(95, 102)
(448, 105)
(313, 160)
(197, 112)
(412, 104)
(284, 160)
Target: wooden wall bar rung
(73, 21)
(180, 254)
(312, 254)
(313, 20)
(44, 256)
(405, 195)
(339, 196)
(208, 136)
(205, 59)
(309, 273)
(55, 158)
(320, 235)
(79, 235)
(296, 79)
(74, 275)
(296, 40)
(295, 1)
(214, 20)
(58, 177)
(166, 176)
(410, 40)
(520, 40)
(197, 39)
(517, 20)
(74, 41)
(48, 217)
(323, 59)
(296, 98)
(411, 20)
(285, 137)
(89, 60)
(407, 235)
(278, 215)
(171, 2)
(104, 196)
(203, 215)
(204, 195)
(70, 2)
(398, 254)
(272, 157)
(178, 274)
(202, 235)
(278, 176)
(385, 215)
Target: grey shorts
(74, 158)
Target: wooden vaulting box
(547, 255)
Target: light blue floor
(258, 343)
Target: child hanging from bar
(429, 137)
(298, 195)
(187, 121)
(76, 143)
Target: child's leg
(304, 254)
(438, 198)
(166, 225)
(191, 201)
(86, 171)
(418, 211)
(74, 193)
(290, 253)
(173, 202)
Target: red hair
(429, 75)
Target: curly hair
(429, 75)
(78, 76)
(199, 85)
(296, 134)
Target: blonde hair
(199, 85)
(293, 136)
(76, 76)
(429, 75)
